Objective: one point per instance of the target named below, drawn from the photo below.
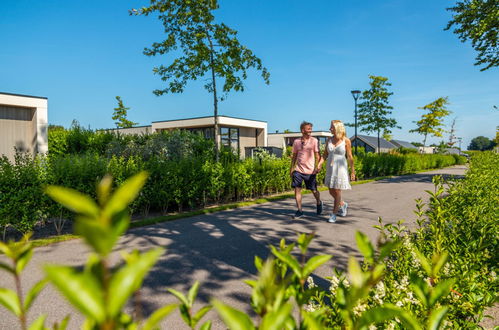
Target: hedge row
(174, 184)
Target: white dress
(337, 168)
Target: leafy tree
(431, 123)
(205, 48)
(478, 21)
(452, 133)
(120, 114)
(374, 108)
(417, 144)
(481, 143)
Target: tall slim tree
(120, 115)
(374, 108)
(205, 49)
(478, 21)
(452, 133)
(432, 122)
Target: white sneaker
(332, 218)
(343, 210)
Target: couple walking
(307, 162)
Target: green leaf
(39, 323)
(80, 289)
(365, 246)
(355, 272)
(5, 249)
(258, 263)
(385, 313)
(158, 315)
(180, 296)
(206, 326)
(7, 268)
(424, 262)
(439, 262)
(199, 315)
(233, 318)
(63, 325)
(442, 289)
(129, 278)
(420, 288)
(104, 189)
(312, 321)
(33, 293)
(436, 318)
(125, 194)
(74, 200)
(96, 234)
(193, 292)
(387, 248)
(23, 259)
(9, 300)
(314, 262)
(275, 320)
(288, 260)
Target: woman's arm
(348, 147)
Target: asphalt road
(218, 249)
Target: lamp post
(459, 139)
(355, 94)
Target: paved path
(218, 249)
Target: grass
(214, 209)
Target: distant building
(370, 143)
(426, 150)
(23, 124)
(238, 133)
(403, 144)
(283, 140)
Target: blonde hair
(339, 129)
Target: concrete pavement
(218, 249)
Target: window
(229, 137)
(206, 132)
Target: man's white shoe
(343, 210)
(332, 218)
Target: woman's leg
(337, 200)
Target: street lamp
(459, 139)
(355, 94)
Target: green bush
(441, 276)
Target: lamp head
(355, 94)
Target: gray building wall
(18, 129)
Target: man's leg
(298, 198)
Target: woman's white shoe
(332, 218)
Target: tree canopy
(478, 21)
(374, 108)
(481, 143)
(203, 49)
(432, 122)
(120, 115)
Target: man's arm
(293, 164)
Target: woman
(336, 167)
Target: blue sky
(82, 53)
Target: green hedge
(183, 175)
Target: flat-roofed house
(23, 124)
(370, 143)
(237, 133)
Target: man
(304, 166)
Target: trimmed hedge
(183, 174)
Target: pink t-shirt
(305, 154)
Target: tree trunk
(215, 99)
(378, 144)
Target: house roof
(404, 144)
(373, 141)
(23, 95)
(164, 121)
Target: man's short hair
(305, 123)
